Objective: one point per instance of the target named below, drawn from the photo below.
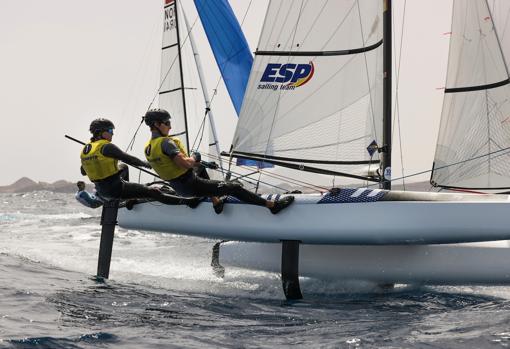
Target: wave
(68, 343)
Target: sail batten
(477, 88)
(320, 53)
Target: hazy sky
(65, 62)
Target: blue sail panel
(231, 52)
(229, 46)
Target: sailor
(169, 159)
(99, 161)
(85, 198)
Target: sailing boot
(281, 204)
(218, 208)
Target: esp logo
(293, 74)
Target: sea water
(162, 293)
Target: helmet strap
(159, 131)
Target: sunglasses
(167, 123)
(110, 131)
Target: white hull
(309, 220)
(464, 264)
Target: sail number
(170, 21)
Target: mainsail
(314, 97)
(473, 148)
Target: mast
(207, 99)
(387, 90)
(182, 77)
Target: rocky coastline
(25, 185)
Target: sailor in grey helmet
(99, 161)
(169, 159)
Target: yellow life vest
(96, 165)
(165, 167)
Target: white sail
(171, 90)
(314, 97)
(181, 91)
(473, 148)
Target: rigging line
(462, 170)
(444, 123)
(372, 112)
(132, 141)
(201, 130)
(173, 62)
(315, 22)
(240, 177)
(340, 24)
(280, 91)
(141, 67)
(486, 91)
(498, 39)
(506, 21)
(366, 70)
(290, 180)
(291, 38)
(275, 175)
(505, 150)
(397, 94)
(229, 56)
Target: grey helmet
(156, 115)
(100, 125)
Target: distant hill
(25, 185)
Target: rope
(505, 150)
(173, 62)
(397, 104)
(276, 176)
(367, 75)
(132, 141)
(200, 131)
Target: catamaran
(318, 99)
